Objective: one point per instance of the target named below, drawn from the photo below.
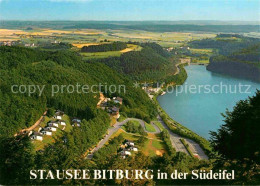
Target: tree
(16, 160)
(239, 137)
(237, 141)
(50, 112)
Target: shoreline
(175, 126)
(202, 64)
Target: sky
(130, 10)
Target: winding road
(175, 139)
(114, 129)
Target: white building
(53, 124)
(36, 136)
(125, 153)
(133, 149)
(62, 122)
(129, 144)
(47, 132)
(58, 117)
(52, 128)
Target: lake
(199, 102)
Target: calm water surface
(201, 111)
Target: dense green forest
(236, 55)
(115, 46)
(150, 64)
(225, 43)
(23, 66)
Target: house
(59, 113)
(58, 117)
(52, 128)
(62, 122)
(132, 148)
(125, 153)
(118, 100)
(114, 110)
(53, 124)
(129, 144)
(36, 136)
(76, 120)
(76, 124)
(47, 132)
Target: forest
(236, 55)
(115, 46)
(23, 66)
(150, 64)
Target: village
(55, 124)
(110, 105)
(48, 127)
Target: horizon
(130, 10)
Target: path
(27, 130)
(175, 139)
(177, 66)
(114, 129)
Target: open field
(84, 37)
(80, 45)
(201, 61)
(136, 123)
(149, 127)
(159, 124)
(201, 51)
(91, 55)
(100, 54)
(152, 146)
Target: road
(177, 66)
(114, 129)
(175, 138)
(177, 144)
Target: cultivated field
(84, 37)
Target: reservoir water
(199, 102)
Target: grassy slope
(51, 139)
(149, 127)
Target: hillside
(150, 64)
(104, 47)
(23, 66)
(237, 56)
(243, 64)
